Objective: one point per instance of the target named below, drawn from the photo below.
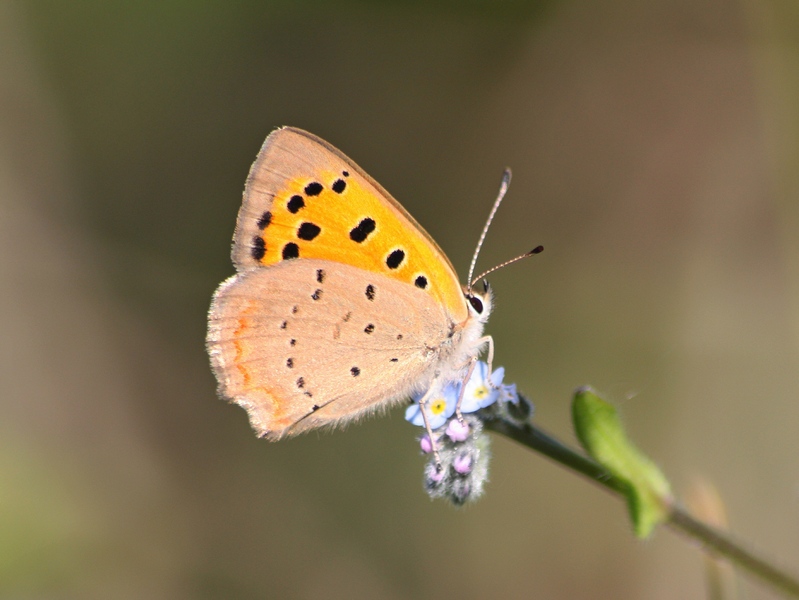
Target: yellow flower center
(481, 392)
(438, 406)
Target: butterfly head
(480, 303)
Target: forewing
(305, 199)
(308, 343)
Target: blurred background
(655, 149)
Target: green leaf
(600, 432)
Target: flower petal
(450, 396)
(497, 376)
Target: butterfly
(342, 303)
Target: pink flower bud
(457, 431)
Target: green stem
(715, 541)
(719, 543)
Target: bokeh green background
(655, 148)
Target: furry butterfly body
(342, 303)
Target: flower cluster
(480, 391)
(464, 453)
(460, 469)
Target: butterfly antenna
(503, 189)
(536, 250)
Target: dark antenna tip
(535, 250)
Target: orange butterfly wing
(305, 199)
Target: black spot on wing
(360, 232)
(313, 189)
(308, 231)
(295, 203)
(394, 260)
(258, 249)
(291, 250)
(265, 220)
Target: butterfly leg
(469, 372)
(490, 358)
(423, 402)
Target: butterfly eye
(476, 303)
